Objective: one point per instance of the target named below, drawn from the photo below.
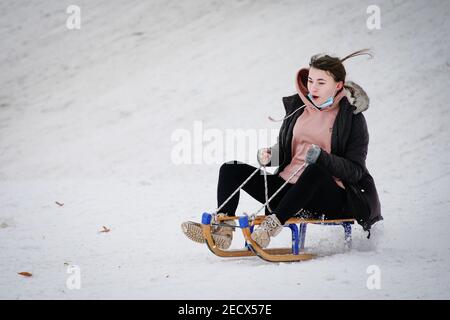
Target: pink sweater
(314, 126)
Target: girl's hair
(334, 65)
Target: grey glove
(312, 154)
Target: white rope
(235, 191)
(266, 189)
(272, 119)
(253, 215)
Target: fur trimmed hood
(355, 95)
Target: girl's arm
(352, 165)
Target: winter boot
(270, 227)
(222, 235)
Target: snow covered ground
(87, 118)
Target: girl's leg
(315, 191)
(233, 174)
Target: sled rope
(266, 189)
(235, 191)
(253, 215)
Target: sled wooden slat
(259, 219)
(235, 253)
(273, 257)
(206, 228)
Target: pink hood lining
(354, 93)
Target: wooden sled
(251, 248)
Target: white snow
(86, 119)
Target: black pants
(315, 191)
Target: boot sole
(194, 232)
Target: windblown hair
(334, 65)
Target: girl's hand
(264, 155)
(312, 154)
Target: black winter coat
(347, 160)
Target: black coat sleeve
(352, 165)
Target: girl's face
(321, 85)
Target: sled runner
(251, 248)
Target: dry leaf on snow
(105, 229)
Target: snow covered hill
(87, 119)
